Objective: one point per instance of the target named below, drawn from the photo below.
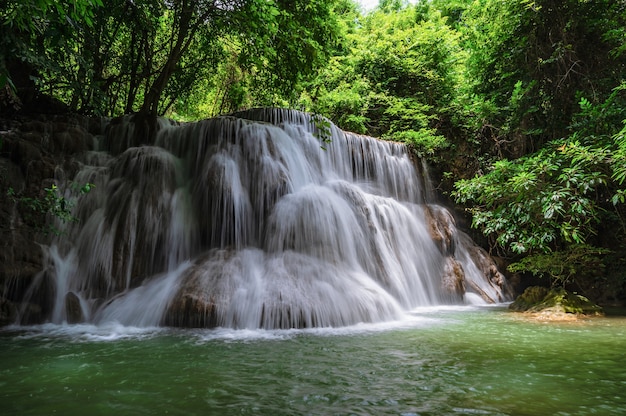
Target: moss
(537, 299)
(531, 297)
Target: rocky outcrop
(554, 303)
(34, 152)
(8, 312)
(455, 245)
(442, 228)
(453, 279)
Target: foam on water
(109, 332)
(113, 331)
(409, 321)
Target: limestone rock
(453, 280)
(441, 226)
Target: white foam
(111, 331)
(409, 321)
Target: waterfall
(246, 221)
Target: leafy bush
(396, 80)
(576, 263)
(425, 142)
(540, 202)
(51, 203)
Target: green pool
(444, 361)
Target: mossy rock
(539, 299)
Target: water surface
(443, 361)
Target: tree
(530, 61)
(545, 99)
(21, 24)
(141, 54)
(396, 80)
(564, 203)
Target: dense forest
(519, 106)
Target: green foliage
(395, 81)
(52, 204)
(322, 128)
(35, 15)
(426, 143)
(145, 55)
(562, 207)
(619, 161)
(558, 210)
(542, 201)
(24, 25)
(532, 59)
(574, 264)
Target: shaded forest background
(519, 106)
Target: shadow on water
(617, 311)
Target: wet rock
(191, 311)
(21, 152)
(35, 126)
(71, 141)
(31, 314)
(125, 132)
(203, 296)
(20, 257)
(453, 279)
(34, 152)
(441, 227)
(73, 310)
(488, 268)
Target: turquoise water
(447, 361)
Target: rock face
(33, 153)
(453, 280)
(455, 245)
(554, 301)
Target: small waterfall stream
(246, 221)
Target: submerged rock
(554, 301)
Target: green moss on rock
(558, 300)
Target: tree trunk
(183, 39)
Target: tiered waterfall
(251, 221)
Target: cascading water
(246, 221)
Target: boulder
(73, 310)
(554, 301)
